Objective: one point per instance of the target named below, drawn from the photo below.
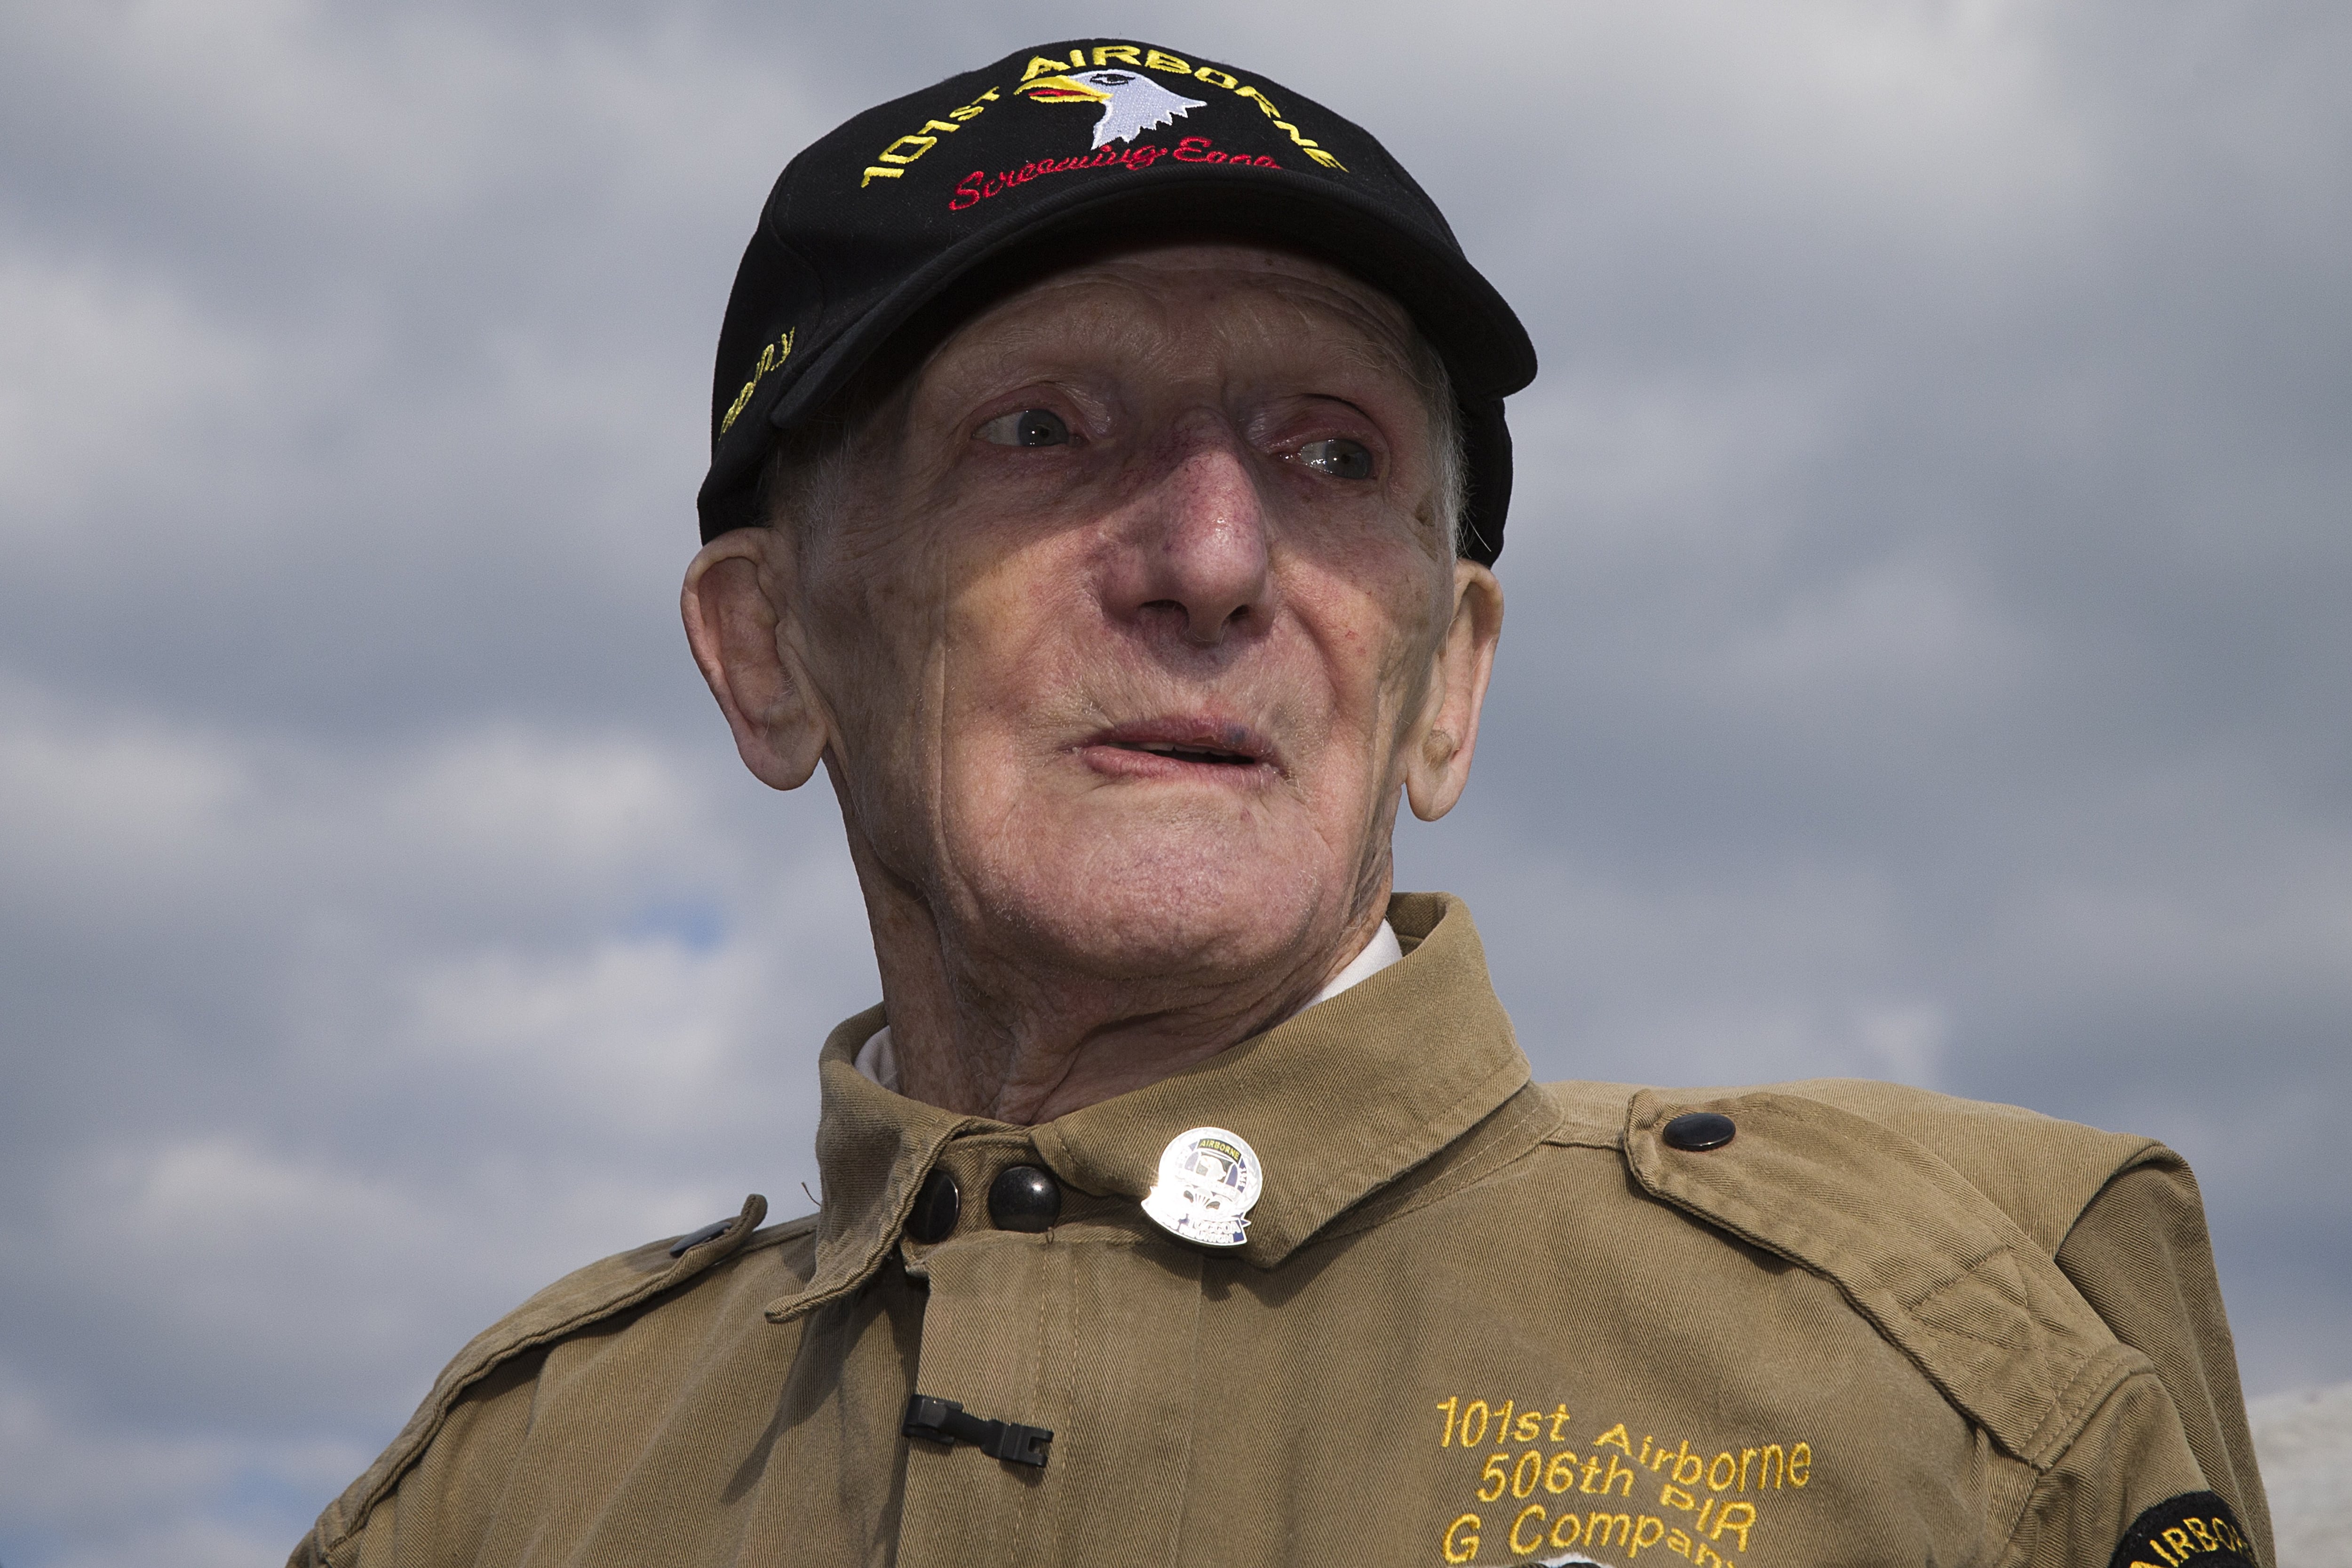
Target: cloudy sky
(1926, 656)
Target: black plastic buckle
(943, 1421)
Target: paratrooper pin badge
(1209, 1177)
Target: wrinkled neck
(1017, 1037)
(877, 1058)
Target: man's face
(1129, 610)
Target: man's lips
(1174, 747)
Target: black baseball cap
(903, 209)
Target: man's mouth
(1208, 754)
(1174, 746)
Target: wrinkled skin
(1119, 725)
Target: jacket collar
(1339, 1101)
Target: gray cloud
(1922, 642)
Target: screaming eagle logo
(1131, 104)
(1121, 82)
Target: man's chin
(1201, 913)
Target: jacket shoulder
(2039, 1171)
(585, 1297)
(1875, 1188)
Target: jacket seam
(1469, 1174)
(445, 1398)
(2122, 1374)
(2153, 1152)
(490, 1361)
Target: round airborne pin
(1209, 1177)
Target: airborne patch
(2195, 1530)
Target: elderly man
(1108, 465)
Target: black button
(1696, 1131)
(936, 1208)
(711, 1232)
(1024, 1197)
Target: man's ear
(736, 610)
(1437, 753)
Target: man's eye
(1029, 427)
(1340, 457)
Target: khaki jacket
(1477, 1320)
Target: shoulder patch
(583, 1297)
(2195, 1530)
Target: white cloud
(2303, 1439)
(219, 1196)
(65, 1475)
(94, 358)
(102, 810)
(642, 1024)
(89, 812)
(511, 801)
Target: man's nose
(1194, 555)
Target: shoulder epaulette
(583, 1297)
(1966, 1289)
(2039, 1171)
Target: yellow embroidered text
(771, 356)
(2176, 1544)
(1706, 1507)
(1154, 59)
(1510, 1424)
(1533, 1528)
(894, 158)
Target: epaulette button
(1695, 1132)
